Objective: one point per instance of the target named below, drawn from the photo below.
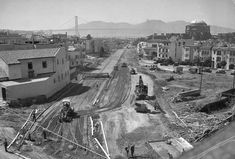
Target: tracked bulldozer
(141, 90)
(67, 112)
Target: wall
(4, 68)
(62, 75)
(37, 66)
(75, 58)
(14, 72)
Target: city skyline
(53, 14)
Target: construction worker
(5, 144)
(34, 115)
(127, 151)
(44, 134)
(132, 150)
(97, 86)
(170, 155)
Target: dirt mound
(7, 132)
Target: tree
(231, 66)
(88, 37)
(223, 64)
(102, 52)
(207, 62)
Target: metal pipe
(105, 141)
(102, 148)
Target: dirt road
(125, 126)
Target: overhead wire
(37, 124)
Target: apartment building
(220, 54)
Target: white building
(32, 73)
(220, 54)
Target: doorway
(4, 95)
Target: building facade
(32, 73)
(177, 47)
(224, 55)
(198, 30)
(10, 38)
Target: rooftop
(13, 56)
(23, 81)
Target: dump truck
(141, 90)
(124, 64)
(67, 112)
(178, 69)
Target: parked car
(221, 71)
(124, 64)
(176, 64)
(164, 64)
(207, 70)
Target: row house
(177, 47)
(220, 54)
(195, 53)
(32, 73)
(154, 49)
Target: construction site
(124, 101)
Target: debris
(171, 78)
(71, 147)
(165, 88)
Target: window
(30, 65)
(54, 80)
(179, 43)
(62, 61)
(44, 64)
(59, 78)
(218, 59)
(183, 43)
(58, 62)
(218, 52)
(154, 45)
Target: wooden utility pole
(233, 78)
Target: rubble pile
(202, 124)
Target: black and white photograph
(117, 79)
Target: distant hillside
(109, 29)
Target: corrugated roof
(13, 56)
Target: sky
(59, 14)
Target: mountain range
(109, 29)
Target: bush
(231, 66)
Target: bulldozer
(132, 72)
(67, 112)
(141, 90)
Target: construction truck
(141, 90)
(132, 72)
(67, 112)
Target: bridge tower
(76, 26)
